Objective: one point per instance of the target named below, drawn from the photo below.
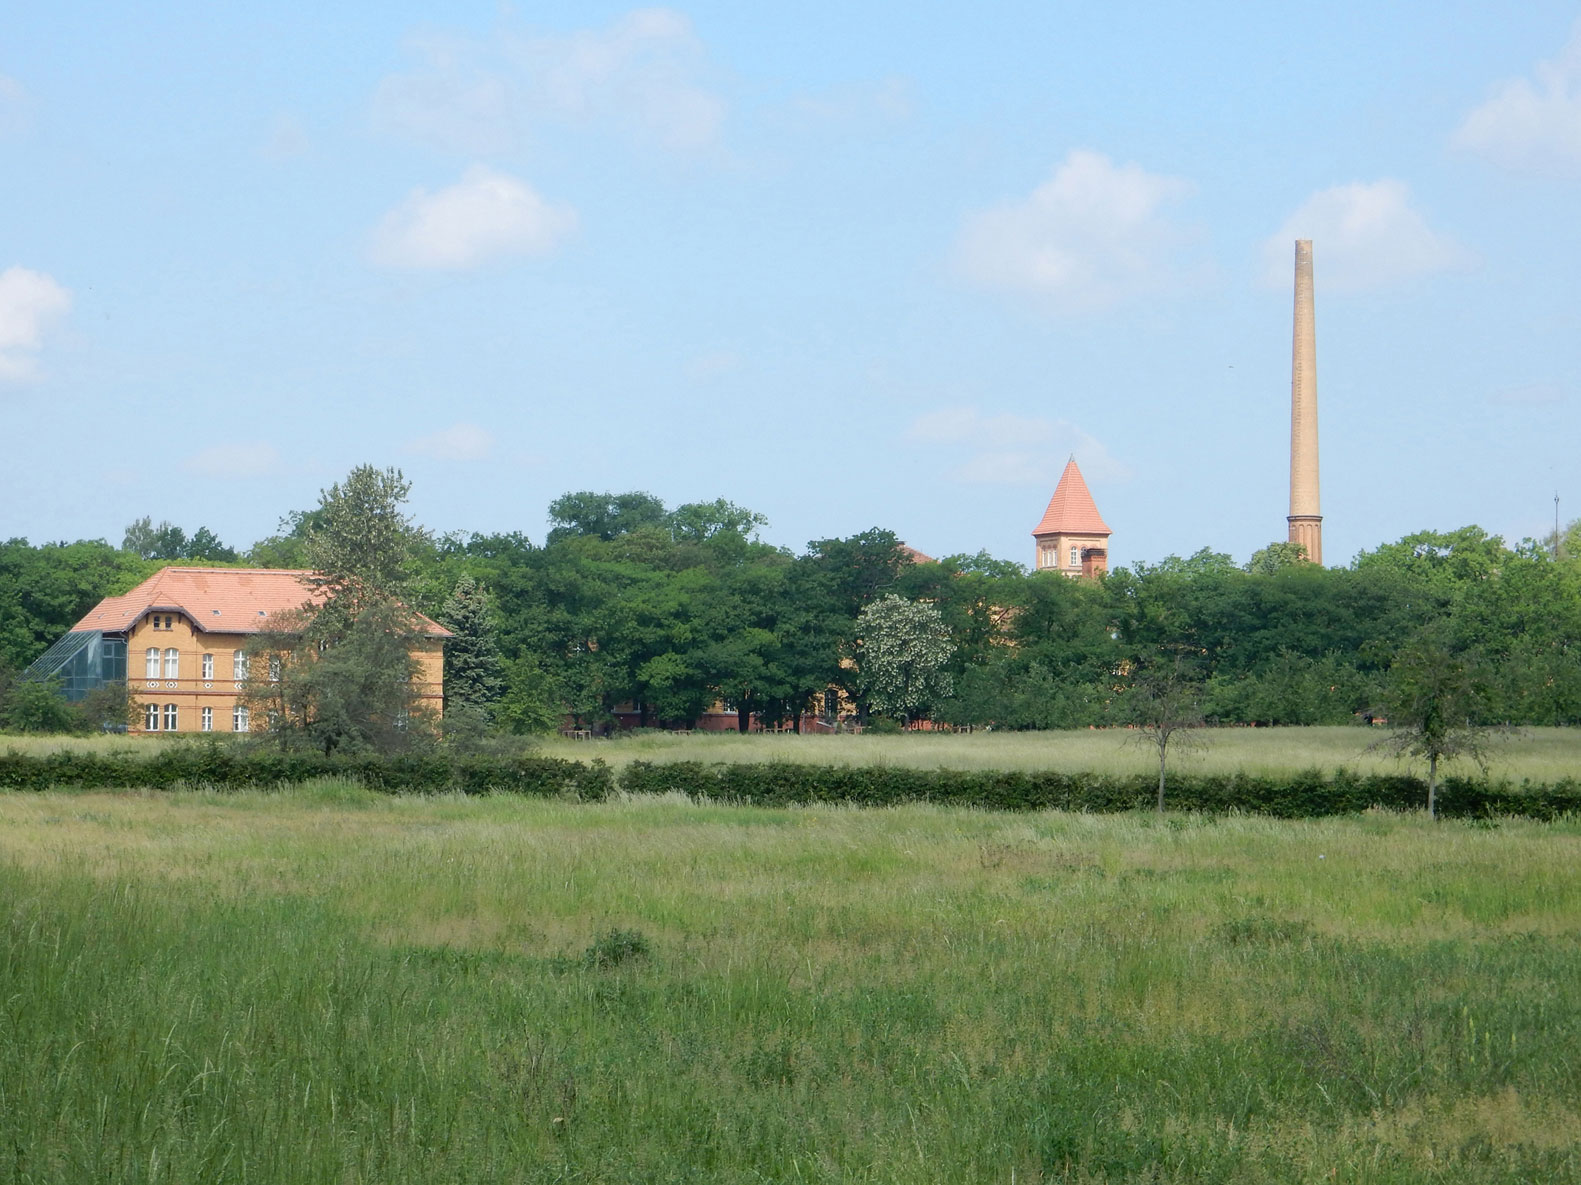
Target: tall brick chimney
(1306, 517)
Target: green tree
(206, 545)
(338, 672)
(603, 516)
(360, 545)
(474, 679)
(700, 522)
(32, 705)
(901, 655)
(531, 701)
(169, 542)
(1164, 700)
(1268, 560)
(45, 590)
(1435, 694)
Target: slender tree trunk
(1163, 748)
(796, 721)
(743, 718)
(1432, 785)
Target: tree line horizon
(631, 604)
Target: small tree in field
(1165, 702)
(1434, 695)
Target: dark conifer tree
(474, 676)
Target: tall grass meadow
(322, 984)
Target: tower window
(1075, 557)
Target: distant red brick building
(1072, 538)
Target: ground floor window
(238, 719)
(208, 719)
(151, 717)
(170, 717)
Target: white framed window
(208, 720)
(150, 717)
(170, 717)
(274, 668)
(172, 663)
(1075, 557)
(208, 666)
(239, 665)
(151, 663)
(239, 718)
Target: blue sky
(848, 265)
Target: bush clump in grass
(615, 948)
(1260, 930)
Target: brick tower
(1072, 538)
(1306, 518)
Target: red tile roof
(1071, 510)
(216, 600)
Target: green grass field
(1541, 754)
(329, 986)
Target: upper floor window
(151, 665)
(172, 663)
(239, 664)
(208, 666)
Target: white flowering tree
(901, 652)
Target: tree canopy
(660, 614)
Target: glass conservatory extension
(81, 661)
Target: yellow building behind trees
(180, 641)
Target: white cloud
(459, 442)
(641, 75)
(30, 305)
(16, 108)
(234, 460)
(1094, 234)
(1534, 123)
(484, 216)
(1008, 449)
(638, 72)
(1364, 235)
(456, 103)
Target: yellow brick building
(180, 638)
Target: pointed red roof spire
(1071, 510)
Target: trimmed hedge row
(1308, 794)
(203, 765)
